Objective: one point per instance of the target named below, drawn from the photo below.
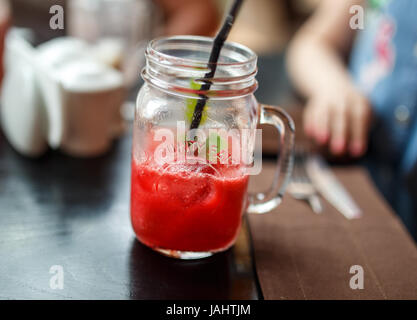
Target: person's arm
(336, 113)
(197, 17)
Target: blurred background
(279, 19)
(105, 51)
(110, 37)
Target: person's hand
(339, 118)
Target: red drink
(187, 207)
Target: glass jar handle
(266, 201)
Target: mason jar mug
(193, 147)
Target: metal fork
(301, 187)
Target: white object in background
(109, 51)
(59, 94)
(331, 189)
(82, 95)
(22, 117)
(92, 95)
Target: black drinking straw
(214, 57)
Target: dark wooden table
(74, 213)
